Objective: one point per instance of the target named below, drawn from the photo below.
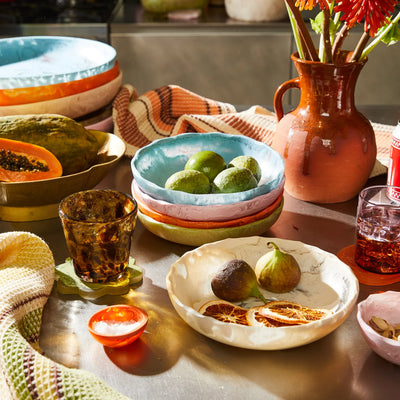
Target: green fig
(247, 162)
(189, 181)
(234, 179)
(277, 271)
(207, 162)
(236, 281)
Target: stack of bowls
(56, 74)
(196, 219)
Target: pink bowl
(222, 212)
(383, 305)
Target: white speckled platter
(326, 282)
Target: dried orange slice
(225, 311)
(290, 313)
(254, 318)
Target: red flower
(310, 4)
(375, 13)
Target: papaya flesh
(23, 162)
(71, 143)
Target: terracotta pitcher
(328, 146)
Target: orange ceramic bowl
(167, 219)
(118, 325)
(33, 94)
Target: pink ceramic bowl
(220, 212)
(383, 305)
(184, 223)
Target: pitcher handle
(278, 106)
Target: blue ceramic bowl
(45, 60)
(154, 163)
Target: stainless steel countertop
(172, 361)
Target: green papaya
(74, 146)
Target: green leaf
(392, 36)
(317, 25)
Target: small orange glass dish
(118, 325)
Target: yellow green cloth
(26, 280)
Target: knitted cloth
(26, 280)
(171, 110)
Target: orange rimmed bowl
(118, 325)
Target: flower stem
(379, 37)
(360, 47)
(296, 35)
(327, 36)
(339, 39)
(307, 45)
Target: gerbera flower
(375, 13)
(310, 4)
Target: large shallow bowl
(384, 305)
(326, 282)
(219, 212)
(37, 200)
(153, 164)
(74, 106)
(198, 237)
(44, 60)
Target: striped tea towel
(171, 110)
(26, 279)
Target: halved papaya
(23, 162)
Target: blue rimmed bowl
(153, 164)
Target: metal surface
(81, 18)
(229, 60)
(172, 361)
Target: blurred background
(231, 57)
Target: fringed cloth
(171, 110)
(26, 280)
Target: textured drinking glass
(98, 228)
(378, 230)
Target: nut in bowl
(384, 307)
(118, 325)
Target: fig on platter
(236, 281)
(277, 271)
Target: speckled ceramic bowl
(384, 305)
(326, 282)
(153, 164)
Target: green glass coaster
(69, 283)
